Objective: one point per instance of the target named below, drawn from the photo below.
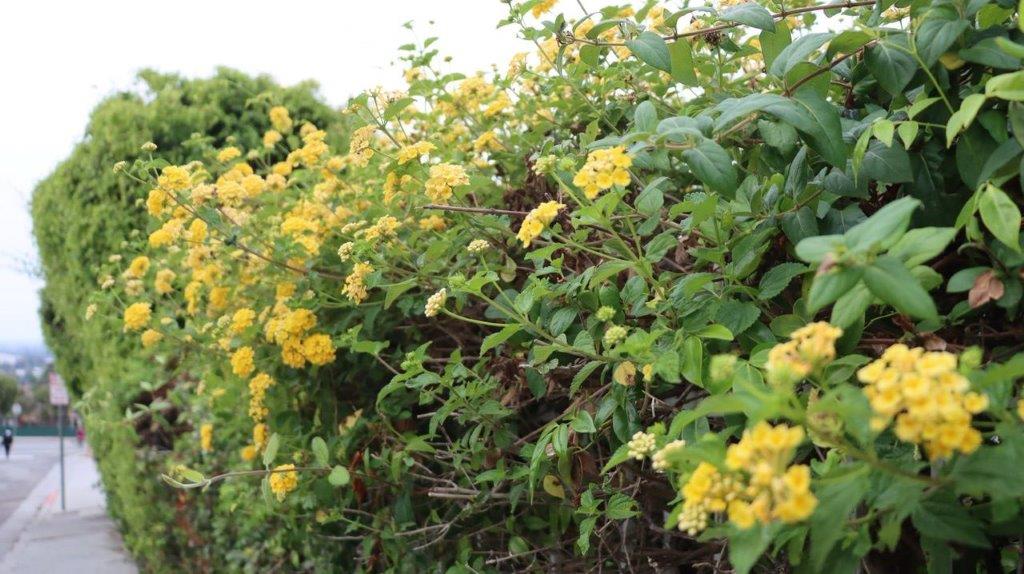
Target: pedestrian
(8, 440)
(79, 434)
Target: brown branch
(484, 210)
(789, 91)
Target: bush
(83, 214)
(672, 291)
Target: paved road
(31, 458)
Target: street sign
(58, 391)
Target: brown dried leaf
(987, 287)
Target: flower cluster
(283, 480)
(538, 218)
(927, 397)
(355, 283)
(258, 386)
(604, 168)
(809, 349)
(436, 302)
(758, 485)
(641, 445)
(414, 152)
(444, 177)
(137, 315)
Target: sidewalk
(38, 537)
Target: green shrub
(673, 292)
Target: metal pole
(60, 433)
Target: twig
(484, 210)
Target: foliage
(684, 281)
(83, 213)
(8, 393)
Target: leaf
(962, 118)
(936, 34)
(1006, 86)
(645, 117)
(778, 278)
(396, 290)
(737, 316)
(681, 62)
(772, 43)
(750, 14)
(798, 52)
(847, 42)
(816, 249)
(583, 422)
(829, 286)
(652, 50)
(712, 165)
(495, 339)
(553, 486)
(339, 476)
(836, 500)
(890, 281)
(884, 227)
(885, 164)
(270, 451)
(581, 376)
(908, 132)
(944, 518)
(320, 453)
(651, 198)
(990, 52)
(746, 546)
(884, 130)
(620, 507)
(396, 107)
(920, 245)
(827, 139)
(851, 307)
(1001, 216)
(891, 66)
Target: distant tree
(8, 393)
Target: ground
(35, 533)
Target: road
(31, 458)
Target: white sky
(59, 59)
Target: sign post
(59, 398)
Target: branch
(484, 210)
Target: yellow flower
(156, 201)
(151, 337)
(283, 480)
(136, 316)
(242, 362)
(810, 348)
(432, 223)
(242, 320)
(414, 152)
(258, 386)
(163, 280)
(318, 349)
(436, 302)
(174, 178)
(355, 286)
(444, 177)
(280, 119)
(542, 7)
(206, 437)
(641, 445)
(604, 168)
(229, 153)
(260, 435)
(927, 398)
(535, 221)
(138, 267)
(359, 150)
(271, 138)
(248, 452)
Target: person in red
(80, 434)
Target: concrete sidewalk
(38, 537)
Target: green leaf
(620, 507)
(885, 164)
(651, 198)
(396, 290)
(827, 138)
(962, 118)
(270, 451)
(836, 501)
(652, 50)
(1001, 216)
(750, 14)
(495, 339)
(396, 107)
(737, 316)
(851, 307)
(944, 518)
(830, 286)
(645, 117)
(848, 42)
(937, 33)
(889, 280)
(712, 165)
(920, 245)
(746, 546)
(339, 476)
(583, 422)
(815, 249)
(884, 227)
(884, 130)
(320, 453)
(892, 66)
(719, 332)
(798, 52)
(1006, 86)
(778, 278)
(772, 43)
(908, 132)
(681, 61)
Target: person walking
(8, 441)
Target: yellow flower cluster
(436, 302)
(478, 246)
(660, 461)
(444, 177)
(542, 7)
(758, 485)
(385, 228)
(206, 437)
(283, 480)
(138, 267)
(810, 348)
(242, 320)
(151, 337)
(242, 362)
(604, 168)
(535, 221)
(137, 315)
(174, 178)
(355, 283)
(258, 386)
(318, 349)
(414, 152)
(229, 153)
(928, 398)
(641, 445)
(280, 118)
(359, 150)
(163, 280)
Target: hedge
(719, 288)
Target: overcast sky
(59, 59)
